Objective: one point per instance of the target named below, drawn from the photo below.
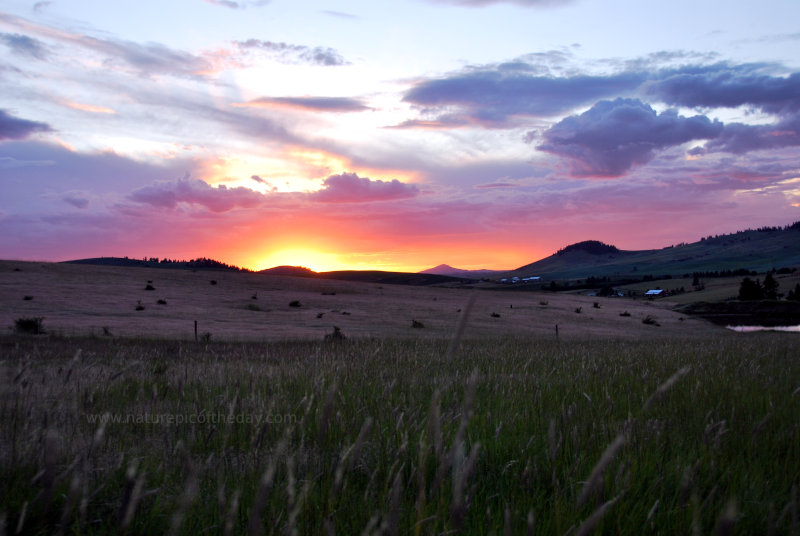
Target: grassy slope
(83, 299)
(753, 250)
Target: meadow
(461, 427)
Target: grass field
(616, 427)
(507, 435)
(83, 300)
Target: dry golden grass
(81, 300)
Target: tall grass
(399, 437)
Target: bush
(295, 303)
(650, 321)
(336, 336)
(161, 302)
(417, 324)
(32, 325)
(27, 298)
(149, 287)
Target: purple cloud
(314, 104)
(494, 95)
(196, 192)
(350, 188)
(14, 128)
(290, 53)
(76, 199)
(24, 45)
(614, 136)
(722, 86)
(739, 138)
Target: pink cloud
(196, 192)
(350, 188)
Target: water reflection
(748, 329)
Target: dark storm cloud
(613, 136)
(14, 128)
(291, 53)
(24, 45)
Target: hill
(753, 250)
(365, 276)
(82, 299)
(200, 263)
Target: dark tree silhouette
(770, 287)
(751, 290)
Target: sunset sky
(392, 135)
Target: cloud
(523, 3)
(237, 5)
(314, 104)
(350, 188)
(724, 86)
(24, 45)
(290, 53)
(168, 194)
(14, 128)
(146, 59)
(76, 199)
(739, 138)
(494, 95)
(614, 136)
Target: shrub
(650, 321)
(295, 303)
(596, 305)
(253, 307)
(162, 302)
(139, 306)
(626, 313)
(417, 324)
(149, 287)
(495, 315)
(336, 336)
(27, 298)
(578, 310)
(213, 281)
(31, 325)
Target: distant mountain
(755, 249)
(446, 269)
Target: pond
(748, 329)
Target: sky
(392, 135)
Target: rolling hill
(757, 250)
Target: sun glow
(319, 261)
